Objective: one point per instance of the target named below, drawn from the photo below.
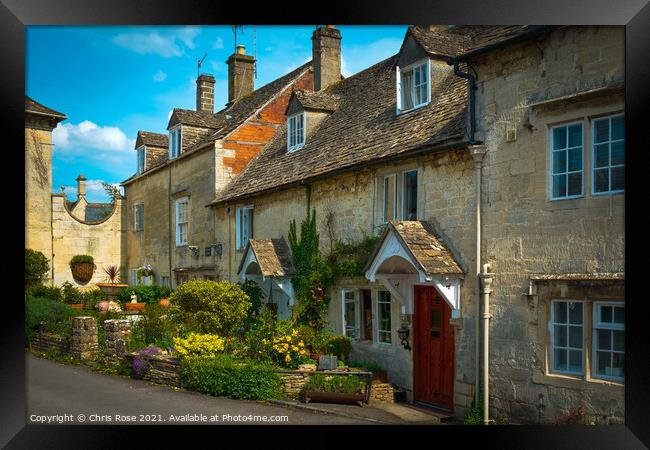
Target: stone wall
(70, 236)
(526, 233)
(117, 333)
(161, 369)
(46, 342)
(84, 338)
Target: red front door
(433, 358)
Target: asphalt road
(58, 393)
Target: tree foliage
(36, 268)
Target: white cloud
(88, 135)
(94, 191)
(218, 43)
(159, 76)
(165, 44)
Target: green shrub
(54, 293)
(225, 376)
(348, 259)
(255, 294)
(57, 317)
(210, 307)
(71, 294)
(347, 384)
(320, 342)
(82, 259)
(146, 294)
(341, 346)
(155, 327)
(36, 268)
(91, 297)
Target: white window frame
(142, 150)
(357, 312)
(138, 225)
(179, 242)
(593, 154)
(408, 68)
(551, 160)
(404, 215)
(552, 346)
(598, 325)
(238, 226)
(174, 152)
(290, 129)
(165, 281)
(383, 197)
(379, 331)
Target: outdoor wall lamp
(403, 334)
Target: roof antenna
(234, 31)
(255, 50)
(198, 66)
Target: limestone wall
(105, 241)
(526, 233)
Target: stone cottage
(55, 226)
(490, 161)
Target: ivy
(348, 259)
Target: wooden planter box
(77, 306)
(135, 306)
(82, 272)
(334, 397)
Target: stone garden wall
(45, 342)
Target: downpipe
(486, 278)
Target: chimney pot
(241, 49)
(81, 186)
(205, 93)
(326, 56)
(241, 73)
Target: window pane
(575, 135)
(618, 153)
(619, 340)
(410, 195)
(601, 180)
(618, 128)
(559, 138)
(389, 198)
(575, 337)
(575, 159)
(406, 89)
(618, 178)
(559, 162)
(604, 339)
(602, 362)
(575, 312)
(618, 364)
(606, 314)
(560, 359)
(575, 184)
(601, 130)
(575, 360)
(560, 335)
(602, 155)
(619, 314)
(559, 185)
(559, 314)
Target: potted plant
(145, 271)
(82, 267)
(72, 297)
(112, 287)
(346, 388)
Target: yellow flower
(301, 343)
(294, 333)
(302, 352)
(294, 348)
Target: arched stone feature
(410, 253)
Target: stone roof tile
(427, 247)
(34, 107)
(273, 257)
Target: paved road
(61, 393)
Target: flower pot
(77, 306)
(111, 290)
(135, 306)
(82, 272)
(164, 302)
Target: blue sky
(113, 81)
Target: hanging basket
(82, 272)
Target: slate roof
(456, 41)
(153, 139)
(320, 101)
(425, 245)
(363, 129)
(97, 211)
(32, 106)
(272, 255)
(204, 119)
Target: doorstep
(411, 414)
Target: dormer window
(413, 87)
(142, 158)
(296, 131)
(175, 142)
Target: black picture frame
(634, 14)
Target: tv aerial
(198, 66)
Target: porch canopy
(411, 252)
(268, 262)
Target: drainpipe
(478, 153)
(486, 288)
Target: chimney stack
(205, 93)
(326, 56)
(81, 187)
(241, 71)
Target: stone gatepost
(84, 338)
(117, 334)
